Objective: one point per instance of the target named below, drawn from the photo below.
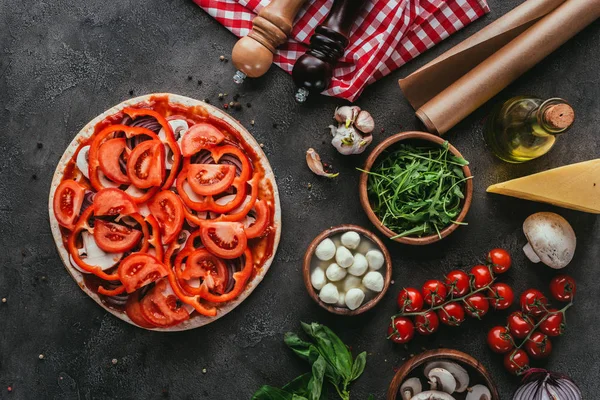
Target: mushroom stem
(528, 250)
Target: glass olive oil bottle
(524, 127)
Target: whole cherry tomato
(500, 260)
(533, 302)
(562, 287)
(499, 339)
(538, 345)
(452, 314)
(553, 324)
(516, 362)
(401, 330)
(476, 305)
(501, 296)
(520, 324)
(410, 300)
(480, 276)
(427, 323)
(457, 283)
(434, 292)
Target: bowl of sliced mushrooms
(442, 374)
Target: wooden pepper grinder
(314, 69)
(252, 55)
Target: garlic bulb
(352, 135)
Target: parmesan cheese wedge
(575, 186)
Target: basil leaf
(308, 352)
(371, 397)
(359, 365)
(331, 347)
(315, 385)
(296, 397)
(299, 386)
(267, 392)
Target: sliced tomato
(210, 179)
(200, 136)
(115, 238)
(168, 210)
(160, 308)
(262, 220)
(67, 202)
(133, 309)
(240, 278)
(224, 239)
(246, 169)
(203, 265)
(139, 270)
(146, 164)
(109, 155)
(114, 201)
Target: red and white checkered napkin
(386, 35)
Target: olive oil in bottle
(524, 128)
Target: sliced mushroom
(459, 373)
(441, 379)
(410, 388)
(82, 161)
(432, 395)
(551, 239)
(479, 392)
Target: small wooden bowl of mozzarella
(347, 270)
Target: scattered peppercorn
(131, 92)
(4, 300)
(207, 101)
(382, 130)
(43, 278)
(275, 125)
(248, 105)
(199, 82)
(9, 389)
(252, 122)
(40, 145)
(261, 145)
(203, 370)
(236, 96)
(34, 177)
(220, 96)
(226, 106)
(236, 104)
(189, 77)
(114, 361)
(309, 185)
(41, 356)
(222, 58)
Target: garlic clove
(346, 115)
(364, 122)
(313, 160)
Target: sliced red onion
(204, 157)
(116, 301)
(88, 200)
(147, 122)
(539, 384)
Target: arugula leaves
(330, 361)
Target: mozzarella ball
(335, 273)
(375, 259)
(317, 278)
(360, 265)
(373, 281)
(354, 298)
(352, 282)
(329, 294)
(344, 257)
(325, 250)
(341, 300)
(351, 240)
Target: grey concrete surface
(63, 62)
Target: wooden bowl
(364, 196)
(310, 253)
(473, 367)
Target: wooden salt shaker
(313, 71)
(252, 55)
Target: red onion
(204, 157)
(539, 384)
(88, 200)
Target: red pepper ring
(208, 261)
(238, 216)
(140, 220)
(155, 239)
(240, 277)
(171, 142)
(219, 151)
(114, 292)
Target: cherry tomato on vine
(401, 330)
(500, 261)
(476, 305)
(501, 296)
(480, 276)
(553, 325)
(520, 324)
(516, 362)
(538, 345)
(533, 302)
(410, 300)
(458, 283)
(562, 288)
(434, 292)
(452, 314)
(427, 323)
(499, 340)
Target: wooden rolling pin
(252, 55)
(314, 69)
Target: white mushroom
(410, 388)
(95, 256)
(352, 282)
(375, 259)
(479, 392)
(325, 250)
(179, 127)
(360, 265)
(82, 161)
(343, 257)
(335, 272)
(441, 379)
(433, 395)
(317, 278)
(329, 294)
(551, 239)
(354, 298)
(459, 373)
(373, 281)
(351, 239)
